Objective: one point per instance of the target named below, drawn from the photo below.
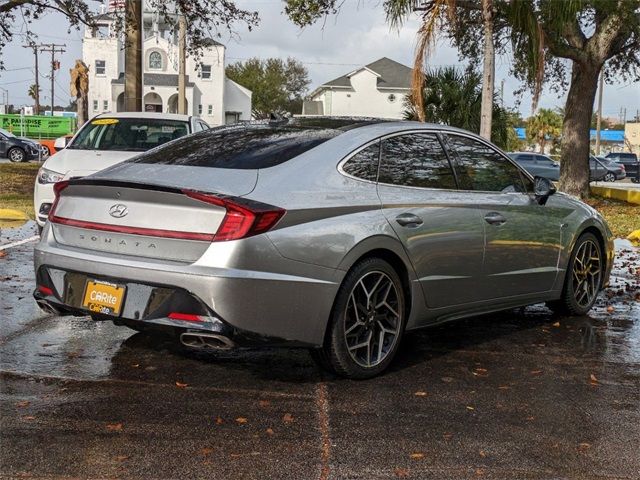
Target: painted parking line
(20, 242)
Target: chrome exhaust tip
(48, 308)
(206, 341)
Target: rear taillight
(57, 189)
(241, 220)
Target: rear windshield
(128, 134)
(239, 147)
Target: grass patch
(17, 178)
(622, 217)
(16, 186)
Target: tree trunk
(574, 165)
(133, 57)
(488, 73)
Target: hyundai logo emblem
(118, 210)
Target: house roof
(157, 80)
(391, 74)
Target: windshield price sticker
(105, 121)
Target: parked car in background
(537, 164)
(606, 170)
(105, 140)
(335, 235)
(18, 149)
(630, 162)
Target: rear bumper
(289, 306)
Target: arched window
(155, 61)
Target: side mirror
(543, 188)
(60, 143)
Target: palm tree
(433, 11)
(545, 125)
(454, 97)
(34, 92)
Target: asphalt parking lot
(517, 395)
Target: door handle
(408, 220)
(494, 218)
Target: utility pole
(599, 119)
(133, 56)
(182, 47)
(34, 47)
(55, 65)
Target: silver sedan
(329, 234)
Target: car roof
(159, 116)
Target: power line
(53, 48)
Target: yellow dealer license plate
(103, 297)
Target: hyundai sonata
(328, 234)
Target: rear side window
(247, 147)
(364, 164)
(481, 168)
(415, 160)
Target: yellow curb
(8, 214)
(634, 236)
(630, 196)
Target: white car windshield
(128, 134)
(6, 133)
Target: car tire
(16, 155)
(367, 322)
(583, 277)
(609, 177)
(635, 180)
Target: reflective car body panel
(280, 285)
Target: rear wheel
(16, 155)
(367, 321)
(583, 278)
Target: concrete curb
(627, 195)
(9, 214)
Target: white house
(210, 94)
(375, 90)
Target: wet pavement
(517, 395)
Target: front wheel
(367, 321)
(16, 155)
(609, 177)
(583, 277)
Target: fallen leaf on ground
(287, 418)
(482, 453)
(181, 385)
(401, 472)
(504, 387)
(3, 254)
(584, 446)
(417, 455)
(469, 407)
(447, 379)
(135, 365)
(593, 378)
(28, 417)
(447, 435)
(479, 472)
(23, 403)
(114, 427)
(219, 421)
(206, 451)
(241, 420)
(536, 372)
(557, 324)
(121, 458)
(269, 431)
(264, 403)
(610, 309)
(421, 394)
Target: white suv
(103, 141)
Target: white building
(375, 90)
(210, 94)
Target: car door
(522, 238)
(439, 226)
(3, 145)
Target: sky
(357, 36)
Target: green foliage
(277, 86)
(543, 127)
(33, 91)
(453, 97)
